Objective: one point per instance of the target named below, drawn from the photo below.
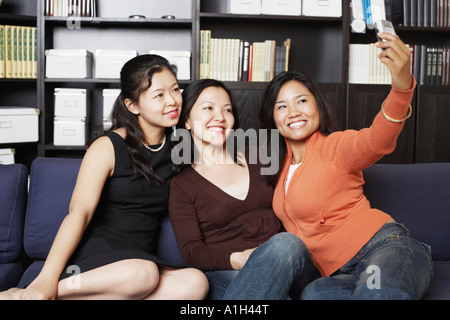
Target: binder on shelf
(431, 65)
(2, 51)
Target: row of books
(18, 52)
(68, 8)
(241, 60)
(431, 64)
(365, 67)
(413, 13)
(422, 13)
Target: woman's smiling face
(295, 113)
(211, 118)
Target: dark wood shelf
(122, 22)
(9, 18)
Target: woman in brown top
(221, 207)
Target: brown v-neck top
(210, 224)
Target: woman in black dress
(119, 199)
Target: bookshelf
(425, 137)
(112, 28)
(19, 92)
(320, 46)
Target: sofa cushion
(52, 181)
(13, 199)
(416, 195)
(167, 248)
(440, 286)
(31, 273)
(10, 274)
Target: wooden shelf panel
(120, 22)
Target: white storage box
(71, 102)
(322, 8)
(19, 125)
(6, 156)
(70, 131)
(109, 98)
(244, 6)
(68, 63)
(182, 59)
(108, 63)
(282, 7)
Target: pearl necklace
(157, 149)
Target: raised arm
(357, 150)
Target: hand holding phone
(384, 26)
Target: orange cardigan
(325, 205)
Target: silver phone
(384, 26)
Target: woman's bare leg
(180, 284)
(129, 279)
(126, 279)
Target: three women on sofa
(232, 233)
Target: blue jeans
(271, 270)
(391, 266)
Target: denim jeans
(269, 273)
(391, 266)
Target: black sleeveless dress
(126, 222)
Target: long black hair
(136, 77)
(190, 96)
(327, 123)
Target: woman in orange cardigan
(361, 252)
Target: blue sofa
(13, 200)
(417, 195)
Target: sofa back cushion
(13, 199)
(52, 181)
(51, 185)
(416, 195)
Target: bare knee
(195, 285)
(139, 278)
(182, 284)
